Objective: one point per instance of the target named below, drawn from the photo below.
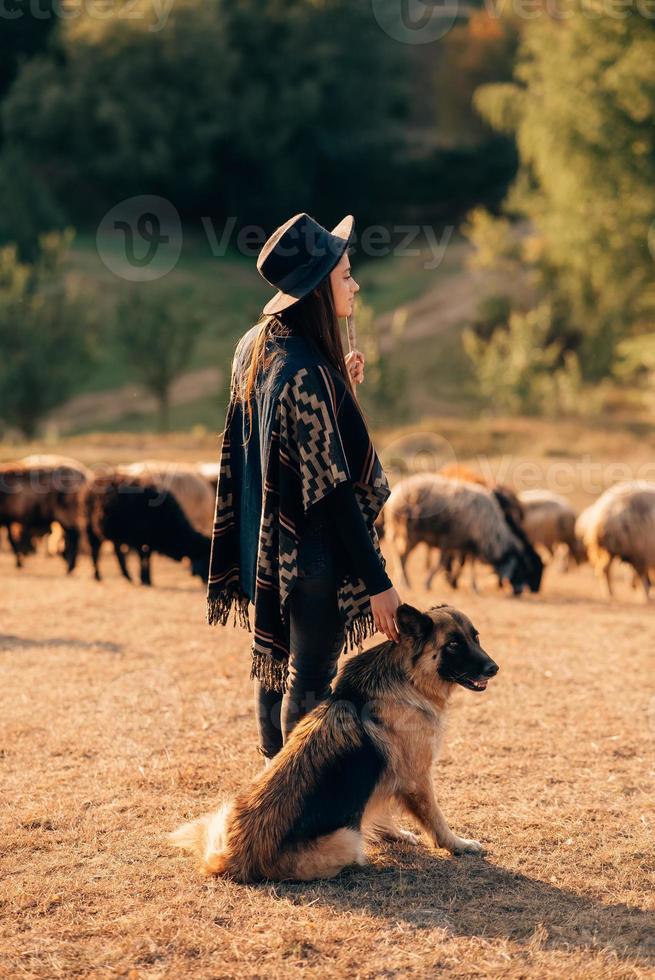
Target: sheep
(35, 492)
(210, 472)
(506, 497)
(621, 524)
(459, 518)
(123, 510)
(550, 521)
(510, 505)
(191, 490)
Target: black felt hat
(298, 255)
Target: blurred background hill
(510, 162)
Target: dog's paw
(408, 836)
(389, 833)
(461, 845)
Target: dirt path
(451, 302)
(122, 712)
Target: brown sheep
(550, 521)
(37, 491)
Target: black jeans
(316, 640)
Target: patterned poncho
(307, 437)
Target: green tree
(26, 205)
(157, 329)
(582, 108)
(26, 29)
(129, 106)
(47, 335)
(480, 49)
(520, 370)
(243, 108)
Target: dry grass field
(121, 712)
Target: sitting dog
(368, 746)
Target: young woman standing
(300, 484)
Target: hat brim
(282, 300)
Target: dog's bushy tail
(206, 837)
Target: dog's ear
(412, 622)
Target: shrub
(47, 333)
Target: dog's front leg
(421, 802)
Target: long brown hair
(313, 317)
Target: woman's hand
(355, 364)
(383, 607)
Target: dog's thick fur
(369, 746)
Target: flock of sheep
(460, 516)
(143, 507)
(468, 519)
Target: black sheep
(513, 512)
(133, 515)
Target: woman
(300, 485)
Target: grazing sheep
(621, 524)
(550, 521)
(458, 471)
(510, 505)
(460, 519)
(506, 497)
(123, 510)
(37, 491)
(188, 486)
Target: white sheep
(621, 524)
(210, 472)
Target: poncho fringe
(219, 606)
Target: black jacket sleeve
(344, 516)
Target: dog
(346, 764)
